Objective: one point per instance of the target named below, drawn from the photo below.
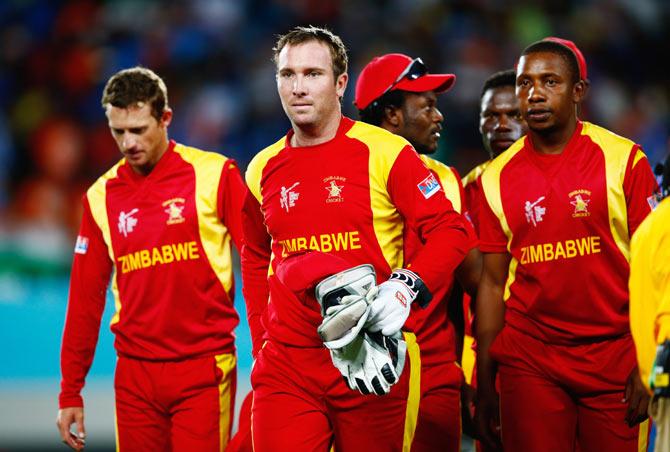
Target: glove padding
(371, 362)
(344, 299)
(390, 307)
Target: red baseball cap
(397, 71)
(581, 61)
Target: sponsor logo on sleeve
(429, 186)
(654, 200)
(81, 246)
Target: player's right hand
(487, 420)
(67, 417)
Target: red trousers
(565, 397)
(301, 403)
(439, 424)
(175, 405)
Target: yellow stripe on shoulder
(384, 148)
(97, 201)
(616, 152)
(491, 185)
(448, 179)
(214, 235)
(257, 164)
(474, 173)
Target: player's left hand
(390, 307)
(637, 397)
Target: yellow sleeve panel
(450, 182)
(257, 164)
(384, 148)
(649, 286)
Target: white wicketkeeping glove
(390, 307)
(371, 363)
(344, 299)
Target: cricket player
(331, 194)
(409, 108)
(552, 307)
(159, 223)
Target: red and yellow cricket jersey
(434, 332)
(650, 287)
(351, 196)
(165, 239)
(566, 220)
(472, 193)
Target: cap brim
(429, 82)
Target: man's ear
(393, 116)
(579, 91)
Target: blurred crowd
(215, 56)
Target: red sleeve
(492, 238)
(469, 225)
(91, 269)
(256, 253)
(439, 226)
(639, 186)
(232, 191)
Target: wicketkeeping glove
(344, 298)
(371, 362)
(390, 307)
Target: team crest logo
(174, 208)
(334, 189)
(534, 211)
(288, 196)
(580, 200)
(127, 222)
(429, 186)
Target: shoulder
(99, 187)
(197, 156)
(606, 139)
(377, 139)
(491, 173)
(259, 162)
(474, 173)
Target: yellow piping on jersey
(448, 179)
(616, 152)
(214, 235)
(97, 201)
(384, 148)
(255, 169)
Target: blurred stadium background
(215, 57)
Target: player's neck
(314, 134)
(552, 142)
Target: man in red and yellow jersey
(160, 222)
(500, 125)
(409, 109)
(347, 190)
(552, 307)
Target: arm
(256, 253)
(490, 319)
(91, 269)
(639, 187)
(439, 226)
(232, 191)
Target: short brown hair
(301, 35)
(134, 86)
